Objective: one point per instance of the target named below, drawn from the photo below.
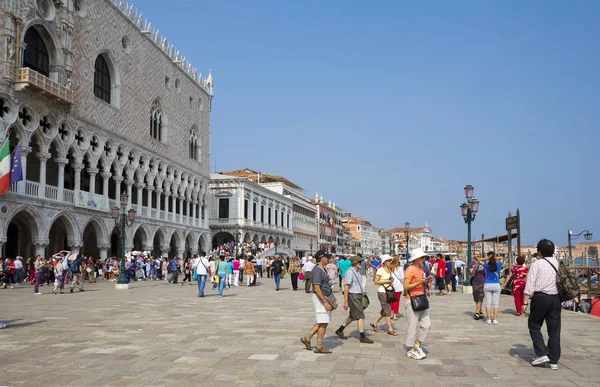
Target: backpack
(74, 266)
(566, 282)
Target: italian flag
(5, 163)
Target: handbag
(419, 303)
(364, 299)
(301, 276)
(390, 295)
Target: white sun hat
(416, 254)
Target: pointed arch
(99, 227)
(107, 84)
(71, 226)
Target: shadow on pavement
(521, 351)
(24, 324)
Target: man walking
(203, 271)
(307, 270)
(76, 269)
(277, 267)
(323, 308)
(259, 264)
(545, 305)
(353, 295)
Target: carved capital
(93, 171)
(150, 188)
(76, 244)
(43, 156)
(61, 161)
(104, 247)
(78, 166)
(25, 150)
(118, 179)
(165, 249)
(106, 175)
(129, 182)
(41, 242)
(140, 185)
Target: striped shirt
(542, 277)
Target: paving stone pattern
(156, 334)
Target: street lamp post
(407, 236)
(468, 211)
(586, 234)
(125, 219)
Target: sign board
(91, 201)
(512, 222)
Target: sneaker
(2, 325)
(71, 290)
(540, 360)
(421, 352)
(489, 322)
(495, 322)
(341, 335)
(476, 316)
(480, 315)
(412, 354)
(553, 366)
(38, 293)
(366, 340)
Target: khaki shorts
(386, 309)
(478, 293)
(355, 305)
(323, 315)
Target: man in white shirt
(545, 305)
(18, 269)
(203, 271)
(307, 271)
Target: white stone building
(246, 211)
(304, 218)
(100, 103)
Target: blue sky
(389, 108)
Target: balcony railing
(28, 77)
(51, 192)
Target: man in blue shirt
(343, 266)
(259, 267)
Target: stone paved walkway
(157, 334)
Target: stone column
(25, 150)
(150, 188)
(174, 204)
(40, 247)
(180, 209)
(194, 222)
(158, 204)
(103, 251)
(2, 242)
(93, 172)
(77, 167)
(75, 246)
(189, 215)
(61, 161)
(165, 251)
(105, 177)
(129, 184)
(43, 156)
(180, 252)
(118, 180)
(140, 192)
(166, 210)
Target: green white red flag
(5, 167)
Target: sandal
(322, 350)
(374, 326)
(392, 333)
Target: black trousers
(453, 282)
(545, 307)
(294, 277)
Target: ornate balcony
(28, 77)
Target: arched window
(193, 144)
(156, 121)
(102, 79)
(36, 53)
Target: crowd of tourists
(415, 280)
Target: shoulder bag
(364, 299)
(418, 303)
(390, 294)
(331, 297)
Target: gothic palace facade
(101, 104)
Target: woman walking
(384, 279)
(519, 275)
(38, 274)
(491, 288)
(187, 271)
(294, 272)
(30, 267)
(398, 278)
(418, 320)
(58, 275)
(250, 271)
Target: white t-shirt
(202, 266)
(308, 266)
(398, 277)
(18, 264)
